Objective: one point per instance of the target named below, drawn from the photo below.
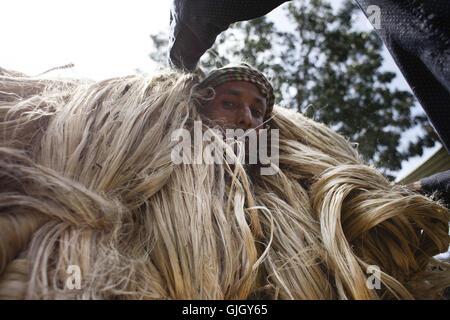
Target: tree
(329, 71)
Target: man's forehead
(238, 88)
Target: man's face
(237, 104)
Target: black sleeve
(417, 35)
(439, 182)
(195, 24)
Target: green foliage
(325, 69)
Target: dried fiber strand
(86, 179)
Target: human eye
(229, 104)
(256, 113)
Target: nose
(245, 118)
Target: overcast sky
(103, 38)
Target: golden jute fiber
(86, 179)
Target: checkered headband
(242, 72)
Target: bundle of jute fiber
(87, 180)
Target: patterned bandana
(242, 72)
